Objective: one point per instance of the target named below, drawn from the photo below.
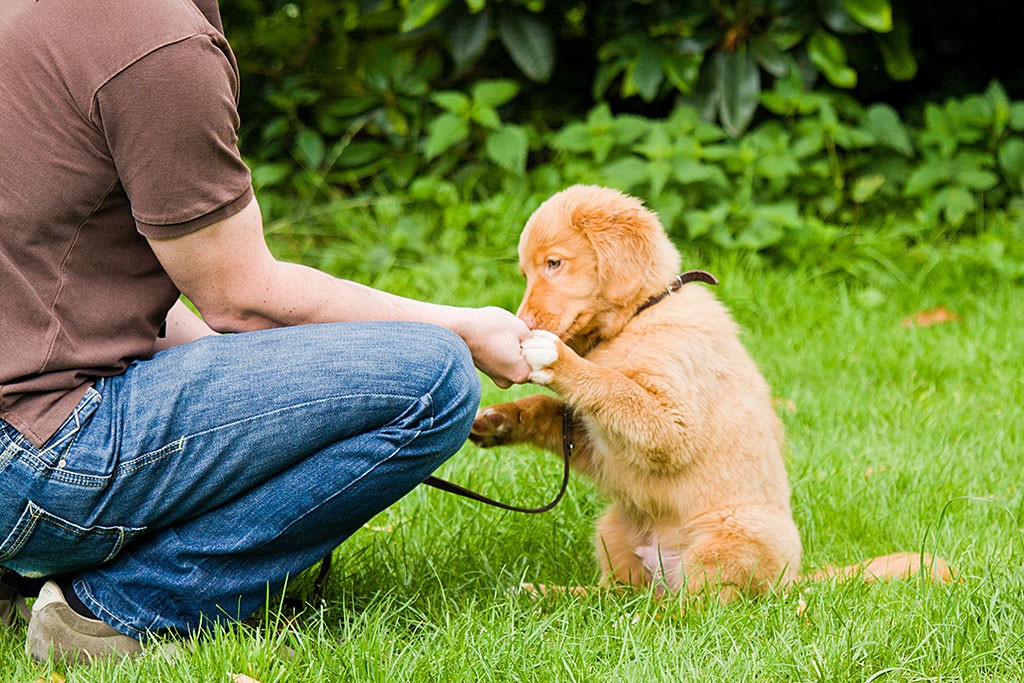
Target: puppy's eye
(554, 263)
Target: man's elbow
(229, 318)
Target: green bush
(715, 54)
(341, 84)
(349, 104)
(826, 176)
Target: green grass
(899, 438)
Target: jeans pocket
(64, 457)
(43, 544)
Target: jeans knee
(458, 386)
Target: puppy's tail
(895, 566)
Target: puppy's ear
(623, 242)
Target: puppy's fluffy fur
(673, 420)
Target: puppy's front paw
(541, 351)
(494, 425)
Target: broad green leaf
(606, 74)
(759, 234)
(508, 148)
(644, 75)
(808, 145)
(485, 116)
(627, 173)
(1011, 158)
(627, 128)
(309, 147)
(396, 121)
(494, 93)
(940, 130)
(768, 225)
(275, 128)
(1017, 116)
(529, 42)
(267, 175)
(788, 96)
(786, 32)
(360, 153)
(777, 104)
(874, 14)
(657, 145)
(776, 166)
(667, 206)
(702, 221)
(828, 54)
(718, 152)
(603, 131)
(865, 187)
(682, 70)
(738, 88)
(575, 137)
(444, 132)
(600, 118)
(467, 38)
(900, 63)
(683, 121)
(770, 57)
(601, 146)
(419, 12)
(403, 169)
(452, 101)
(475, 6)
(785, 214)
(689, 171)
(660, 172)
(975, 178)
(927, 176)
(956, 204)
(838, 19)
(975, 112)
(884, 123)
(1000, 102)
(352, 106)
(708, 132)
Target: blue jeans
(179, 492)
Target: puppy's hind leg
(621, 567)
(616, 546)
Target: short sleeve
(170, 120)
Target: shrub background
(854, 134)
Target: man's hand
(494, 336)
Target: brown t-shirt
(117, 122)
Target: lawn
(900, 437)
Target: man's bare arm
(228, 272)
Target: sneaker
(11, 605)
(55, 630)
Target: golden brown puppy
(672, 419)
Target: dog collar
(675, 285)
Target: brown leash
(567, 443)
(567, 446)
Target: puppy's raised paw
(541, 351)
(493, 425)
